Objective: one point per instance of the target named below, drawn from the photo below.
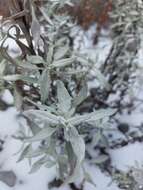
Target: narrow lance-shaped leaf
(50, 163)
(33, 125)
(88, 178)
(44, 116)
(62, 62)
(94, 116)
(35, 28)
(100, 159)
(102, 79)
(77, 143)
(2, 67)
(45, 83)
(47, 18)
(78, 147)
(61, 52)
(18, 100)
(64, 99)
(71, 156)
(43, 134)
(35, 153)
(24, 153)
(16, 77)
(50, 55)
(37, 165)
(35, 59)
(81, 96)
(28, 66)
(62, 162)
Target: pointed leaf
(61, 52)
(100, 159)
(64, 99)
(33, 125)
(37, 165)
(35, 28)
(43, 134)
(102, 79)
(35, 59)
(45, 83)
(92, 117)
(77, 144)
(81, 96)
(26, 150)
(62, 62)
(44, 116)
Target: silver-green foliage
(53, 74)
(60, 119)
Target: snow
(102, 181)
(8, 124)
(126, 157)
(83, 42)
(8, 157)
(7, 97)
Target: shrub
(49, 82)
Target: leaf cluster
(49, 82)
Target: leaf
(61, 52)
(37, 165)
(91, 117)
(35, 28)
(102, 79)
(30, 80)
(26, 150)
(100, 159)
(43, 134)
(50, 164)
(97, 138)
(71, 156)
(50, 55)
(47, 18)
(89, 179)
(62, 62)
(42, 107)
(12, 77)
(19, 77)
(45, 82)
(28, 66)
(35, 59)
(77, 144)
(104, 141)
(63, 167)
(35, 153)
(82, 60)
(3, 65)
(33, 126)
(64, 99)
(18, 100)
(81, 96)
(44, 116)
(61, 41)
(97, 72)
